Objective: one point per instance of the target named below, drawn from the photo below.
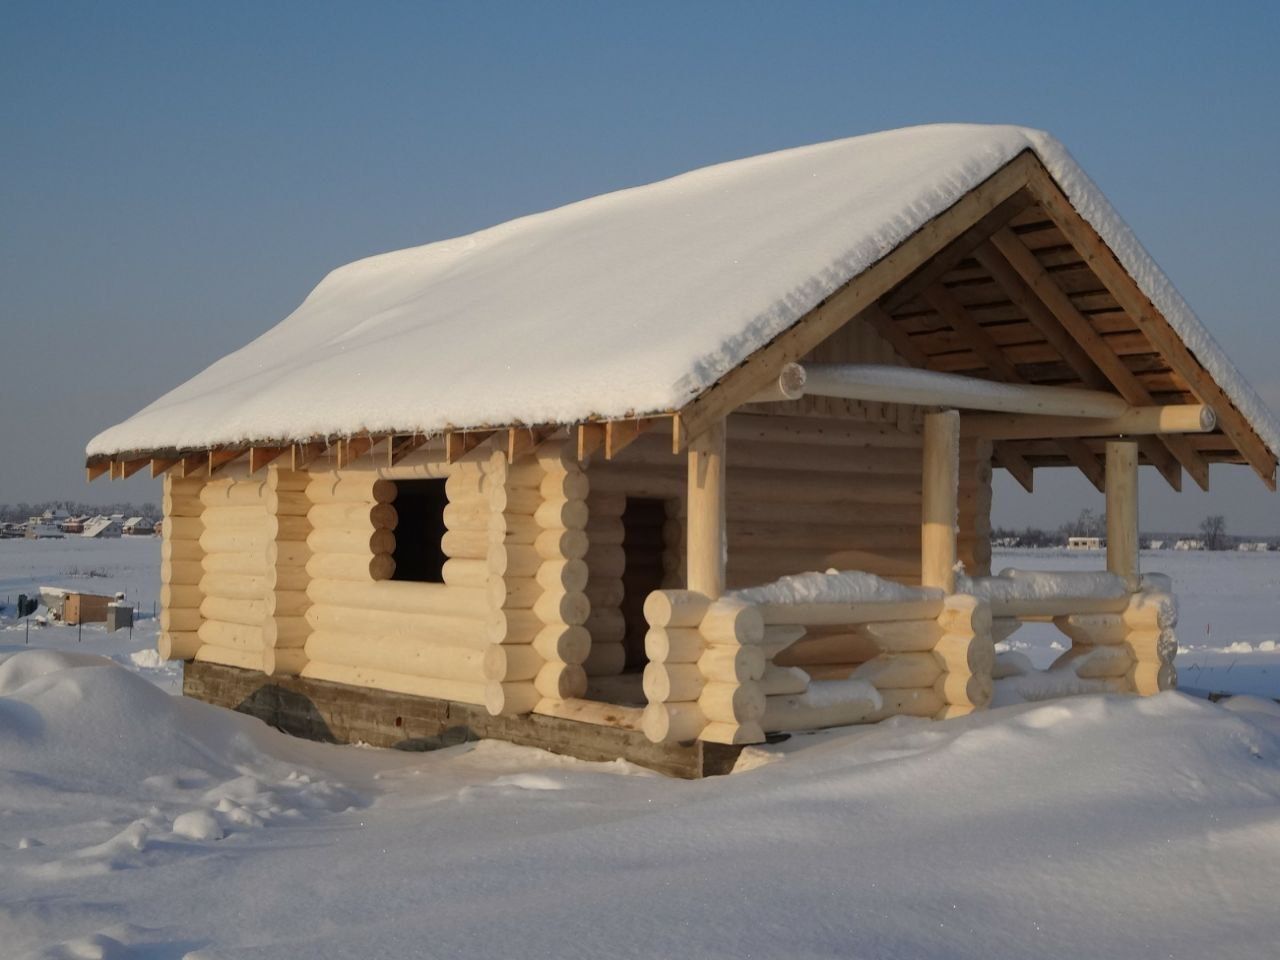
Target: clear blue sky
(175, 177)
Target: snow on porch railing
(812, 650)
(1122, 641)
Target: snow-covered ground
(138, 825)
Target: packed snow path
(141, 825)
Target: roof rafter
(1102, 260)
(1011, 253)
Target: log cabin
(673, 470)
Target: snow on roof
(624, 304)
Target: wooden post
(941, 483)
(706, 523)
(1122, 510)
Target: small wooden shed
(666, 471)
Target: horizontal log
(675, 608)
(638, 483)
(460, 691)
(351, 566)
(563, 644)
(848, 647)
(672, 682)
(286, 578)
(674, 644)
(732, 702)
(234, 586)
(782, 680)
(907, 703)
(248, 612)
(561, 681)
(1051, 608)
(672, 722)
(755, 535)
(345, 516)
(845, 512)
(178, 645)
(286, 503)
(181, 506)
(350, 486)
(748, 428)
(219, 518)
(404, 655)
(510, 699)
(605, 592)
(233, 493)
(285, 632)
(512, 662)
(228, 656)
(964, 654)
(428, 628)
(519, 500)
(1137, 421)
(284, 662)
(958, 689)
(787, 712)
(287, 603)
(288, 553)
(394, 596)
(236, 540)
(174, 595)
(562, 606)
(840, 614)
(465, 544)
(561, 544)
(732, 733)
(180, 549)
(356, 540)
(181, 571)
(465, 573)
(900, 670)
(789, 485)
(763, 565)
(562, 514)
(606, 626)
(732, 664)
(606, 560)
(238, 636)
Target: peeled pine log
(841, 614)
(762, 565)
(240, 564)
(561, 606)
(786, 712)
(915, 702)
(517, 593)
(561, 681)
(561, 544)
(605, 560)
(233, 493)
(181, 549)
(672, 682)
(778, 637)
(182, 571)
(732, 702)
(184, 528)
(348, 515)
(351, 566)
(891, 489)
(963, 653)
(605, 659)
(232, 610)
(405, 655)
(234, 586)
(350, 486)
(220, 518)
(783, 535)
(237, 636)
(957, 689)
(180, 620)
(836, 648)
(510, 699)
(466, 573)
(287, 603)
(605, 531)
(900, 670)
(563, 644)
(675, 608)
(460, 691)
(512, 626)
(285, 662)
(288, 553)
(732, 664)
(732, 733)
(287, 578)
(244, 659)
(361, 540)
(287, 503)
(844, 512)
(285, 632)
(180, 595)
(732, 621)
(519, 500)
(672, 722)
(425, 628)
(783, 680)
(605, 592)
(246, 540)
(673, 644)
(394, 596)
(562, 514)
(1092, 663)
(178, 645)
(831, 671)
(1093, 628)
(465, 544)
(512, 662)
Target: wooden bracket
(259, 457)
(400, 447)
(590, 438)
(458, 444)
(619, 434)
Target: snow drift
(1098, 826)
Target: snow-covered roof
(625, 304)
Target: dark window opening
(420, 507)
(642, 545)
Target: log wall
(181, 569)
(235, 535)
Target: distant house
(1157, 544)
(47, 526)
(1253, 546)
(137, 527)
(1189, 544)
(73, 525)
(102, 527)
(1085, 543)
